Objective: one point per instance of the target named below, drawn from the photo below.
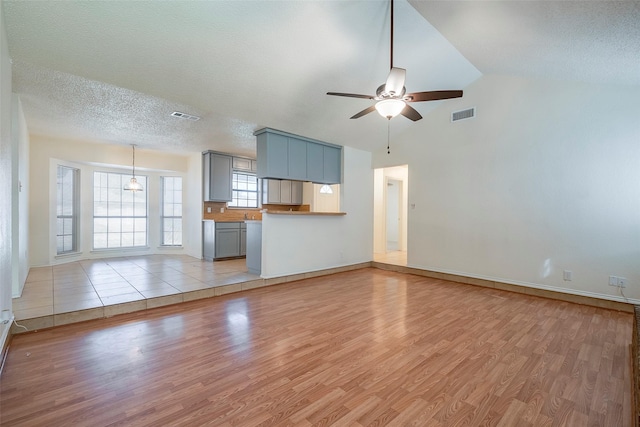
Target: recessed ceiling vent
(469, 113)
(185, 116)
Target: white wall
(545, 179)
(299, 244)
(20, 203)
(5, 180)
(47, 153)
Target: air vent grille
(469, 113)
(185, 116)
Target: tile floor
(89, 284)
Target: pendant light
(133, 184)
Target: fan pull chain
(388, 134)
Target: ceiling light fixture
(390, 108)
(133, 184)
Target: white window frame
(173, 217)
(236, 191)
(112, 220)
(75, 208)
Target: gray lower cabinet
(243, 240)
(254, 247)
(224, 240)
(227, 239)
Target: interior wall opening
(390, 214)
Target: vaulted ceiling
(113, 72)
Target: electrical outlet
(613, 281)
(208, 209)
(221, 210)
(623, 282)
(567, 275)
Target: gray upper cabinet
(297, 158)
(315, 162)
(242, 164)
(273, 157)
(281, 192)
(332, 165)
(286, 156)
(217, 175)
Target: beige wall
(46, 153)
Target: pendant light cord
(134, 160)
(391, 50)
(388, 134)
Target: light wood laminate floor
(392, 257)
(362, 348)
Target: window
(119, 216)
(171, 211)
(67, 210)
(245, 191)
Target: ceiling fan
(391, 96)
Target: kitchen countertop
(304, 213)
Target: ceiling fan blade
(410, 113)
(365, 112)
(433, 95)
(350, 95)
(395, 81)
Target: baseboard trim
(578, 297)
(7, 335)
(635, 362)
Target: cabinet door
(315, 162)
(296, 192)
(285, 192)
(220, 176)
(254, 166)
(297, 159)
(240, 163)
(331, 167)
(270, 191)
(208, 234)
(227, 242)
(243, 242)
(273, 152)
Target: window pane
(140, 239)
(99, 240)
(113, 240)
(245, 192)
(116, 211)
(171, 208)
(67, 208)
(127, 239)
(127, 225)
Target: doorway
(390, 214)
(393, 212)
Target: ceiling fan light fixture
(390, 108)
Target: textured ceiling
(589, 41)
(114, 71)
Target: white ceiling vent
(185, 116)
(469, 113)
